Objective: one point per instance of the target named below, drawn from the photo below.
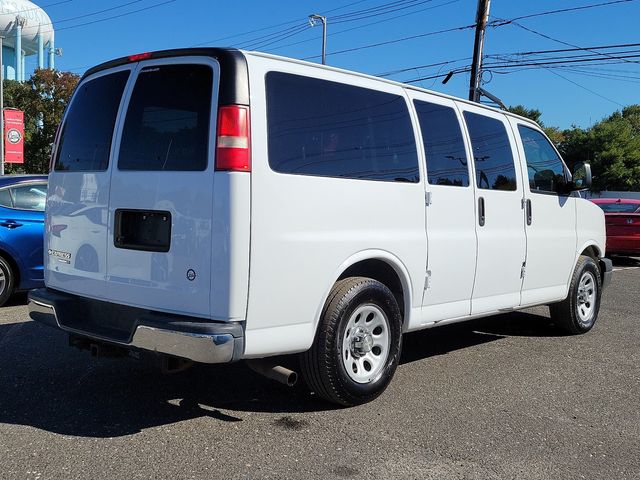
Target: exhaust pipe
(274, 372)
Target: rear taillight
(233, 147)
(57, 229)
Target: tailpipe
(274, 372)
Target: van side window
(168, 121)
(544, 166)
(443, 145)
(492, 154)
(330, 129)
(85, 140)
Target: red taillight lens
(233, 147)
(140, 56)
(57, 229)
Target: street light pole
(312, 20)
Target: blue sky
(580, 94)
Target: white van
(217, 205)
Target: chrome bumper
(198, 346)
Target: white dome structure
(27, 30)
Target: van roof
(234, 73)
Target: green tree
(554, 133)
(530, 113)
(612, 146)
(43, 98)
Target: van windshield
(85, 141)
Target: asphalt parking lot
(505, 397)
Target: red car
(622, 216)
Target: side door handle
(529, 214)
(10, 224)
(481, 212)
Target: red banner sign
(14, 136)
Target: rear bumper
(624, 245)
(606, 268)
(180, 336)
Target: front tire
(357, 345)
(578, 313)
(7, 281)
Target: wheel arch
(591, 250)
(13, 263)
(382, 266)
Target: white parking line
(624, 268)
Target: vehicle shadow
(625, 261)
(16, 300)
(47, 385)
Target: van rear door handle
(529, 215)
(10, 224)
(481, 211)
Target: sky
(596, 83)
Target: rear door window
(330, 129)
(85, 141)
(492, 154)
(168, 120)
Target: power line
(548, 37)
(552, 12)
(96, 12)
(368, 24)
(384, 11)
(289, 22)
(585, 88)
(113, 16)
(389, 42)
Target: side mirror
(581, 176)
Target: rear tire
(357, 345)
(7, 281)
(578, 313)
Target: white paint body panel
(452, 242)
(551, 238)
(303, 228)
(501, 241)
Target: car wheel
(578, 312)
(7, 281)
(357, 345)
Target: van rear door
(161, 198)
(78, 195)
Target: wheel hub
(361, 342)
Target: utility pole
(312, 20)
(476, 68)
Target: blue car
(22, 202)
